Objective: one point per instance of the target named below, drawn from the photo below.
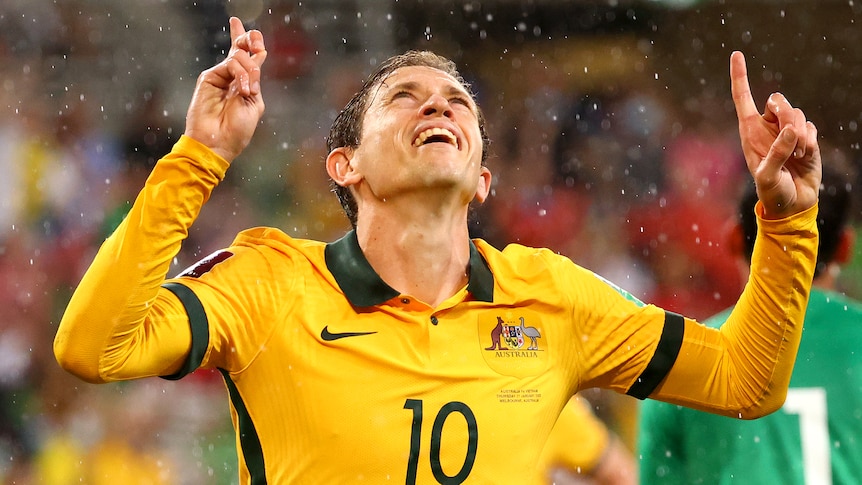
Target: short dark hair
(346, 129)
(834, 210)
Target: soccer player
(406, 351)
(815, 437)
(583, 451)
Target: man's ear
(483, 187)
(846, 242)
(340, 168)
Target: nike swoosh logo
(325, 334)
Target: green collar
(364, 287)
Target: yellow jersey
(335, 377)
(578, 440)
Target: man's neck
(428, 261)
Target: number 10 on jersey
(436, 439)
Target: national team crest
(513, 342)
(509, 335)
(513, 336)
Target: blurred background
(613, 141)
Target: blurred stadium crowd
(594, 157)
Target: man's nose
(437, 104)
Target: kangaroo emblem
(496, 333)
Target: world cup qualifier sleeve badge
(514, 342)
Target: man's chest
(411, 385)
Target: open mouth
(436, 135)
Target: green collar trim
(364, 287)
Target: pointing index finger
(739, 87)
(236, 29)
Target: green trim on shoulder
(481, 283)
(363, 287)
(252, 451)
(199, 326)
(628, 296)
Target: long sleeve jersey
(335, 377)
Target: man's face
(420, 133)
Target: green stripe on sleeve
(665, 355)
(199, 327)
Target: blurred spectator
(681, 236)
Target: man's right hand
(780, 147)
(227, 103)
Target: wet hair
(346, 129)
(834, 210)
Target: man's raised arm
(112, 329)
(743, 369)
